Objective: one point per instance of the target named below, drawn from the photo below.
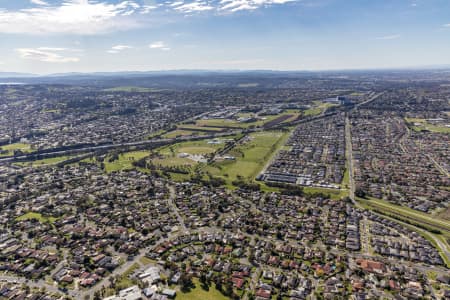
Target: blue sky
(48, 36)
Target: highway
(152, 142)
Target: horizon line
(404, 68)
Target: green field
(178, 133)
(36, 216)
(125, 161)
(170, 154)
(251, 156)
(16, 146)
(318, 108)
(43, 162)
(195, 127)
(200, 294)
(173, 161)
(424, 125)
(333, 193)
(191, 147)
(346, 180)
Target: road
(349, 147)
(373, 98)
(104, 283)
(156, 142)
(349, 157)
(174, 207)
(438, 166)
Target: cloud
(389, 37)
(39, 2)
(446, 25)
(85, 17)
(192, 7)
(223, 5)
(159, 45)
(118, 48)
(177, 3)
(238, 5)
(48, 54)
(91, 17)
(147, 8)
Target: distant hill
(192, 79)
(16, 75)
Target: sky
(54, 36)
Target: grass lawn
(251, 156)
(200, 294)
(424, 125)
(44, 162)
(220, 123)
(173, 161)
(199, 128)
(124, 280)
(192, 147)
(318, 108)
(346, 180)
(146, 261)
(333, 193)
(445, 214)
(16, 146)
(178, 133)
(180, 177)
(171, 153)
(156, 133)
(313, 111)
(36, 216)
(197, 149)
(125, 161)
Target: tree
(186, 282)
(218, 282)
(360, 193)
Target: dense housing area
(265, 187)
